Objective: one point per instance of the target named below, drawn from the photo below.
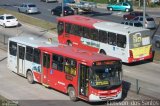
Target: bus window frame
(13, 50)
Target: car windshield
(31, 5)
(150, 19)
(67, 8)
(10, 17)
(105, 76)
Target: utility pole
(62, 7)
(144, 12)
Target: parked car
(132, 23)
(122, 6)
(58, 11)
(69, 1)
(47, 1)
(28, 8)
(149, 21)
(8, 20)
(132, 15)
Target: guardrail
(141, 87)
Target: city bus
(79, 73)
(128, 43)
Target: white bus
(25, 47)
(128, 43)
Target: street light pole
(144, 12)
(62, 7)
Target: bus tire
(69, 43)
(30, 77)
(102, 52)
(72, 94)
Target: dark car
(132, 15)
(58, 11)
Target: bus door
(21, 59)
(45, 67)
(83, 80)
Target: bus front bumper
(95, 98)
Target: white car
(8, 20)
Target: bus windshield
(105, 76)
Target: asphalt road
(45, 8)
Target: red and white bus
(128, 43)
(82, 74)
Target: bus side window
(85, 32)
(103, 36)
(68, 28)
(60, 28)
(13, 48)
(94, 34)
(57, 62)
(121, 40)
(70, 66)
(80, 30)
(112, 38)
(36, 56)
(74, 29)
(29, 53)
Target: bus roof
(78, 54)
(32, 41)
(118, 28)
(79, 20)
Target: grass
(6, 102)
(30, 20)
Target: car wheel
(127, 10)
(4, 25)
(126, 18)
(111, 9)
(52, 12)
(19, 10)
(61, 15)
(157, 44)
(26, 12)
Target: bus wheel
(102, 52)
(30, 77)
(72, 94)
(69, 43)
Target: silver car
(149, 21)
(28, 8)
